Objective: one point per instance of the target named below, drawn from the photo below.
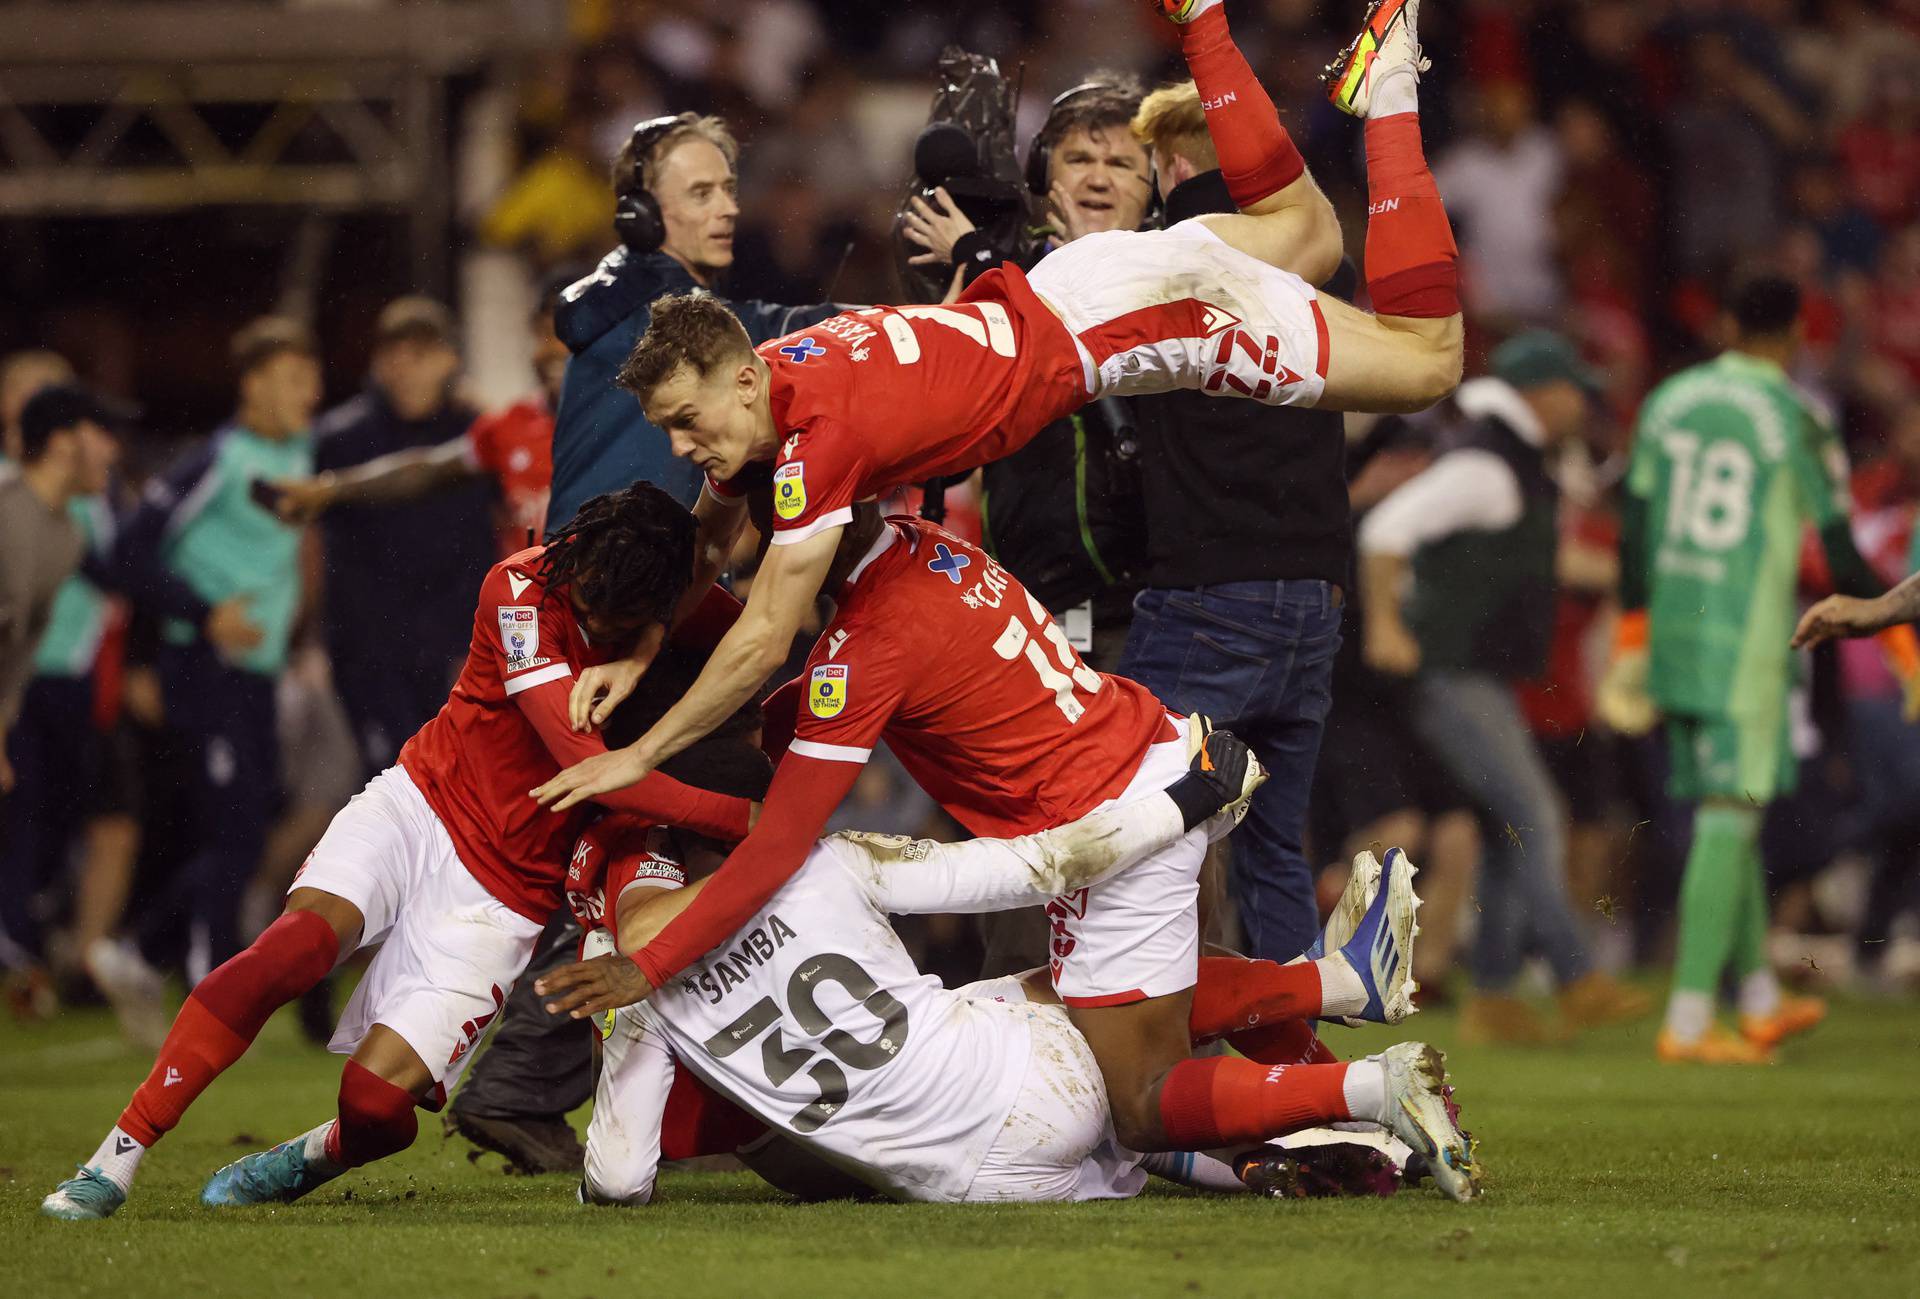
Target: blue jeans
(1472, 723)
(1257, 657)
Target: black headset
(1039, 152)
(636, 214)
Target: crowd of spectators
(1608, 164)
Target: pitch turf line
(1610, 1176)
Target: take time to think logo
(827, 690)
(790, 490)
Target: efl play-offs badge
(827, 692)
(790, 490)
(519, 634)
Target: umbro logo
(173, 1076)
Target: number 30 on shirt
(1019, 641)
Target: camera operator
(1062, 512)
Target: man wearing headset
(675, 210)
(1060, 512)
(674, 185)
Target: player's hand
(1836, 616)
(230, 628)
(600, 774)
(934, 229)
(1391, 649)
(6, 769)
(604, 687)
(588, 988)
(302, 500)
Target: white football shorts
(449, 950)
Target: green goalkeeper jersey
(1731, 463)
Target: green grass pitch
(1609, 1176)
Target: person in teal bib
(222, 574)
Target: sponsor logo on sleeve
(790, 490)
(827, 690)
(520, 636)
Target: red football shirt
(504, 731)
(943, 654)
(872, 399)
(515, 448)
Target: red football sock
(376, 1118)
(1235, 994)
(699, 1121)
(223, 1014)
(1412, 263)
(1291, 1041)
(1257, 156)
(1217, 1101)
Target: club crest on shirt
(520, 636)
(827, 691)
(790, 490)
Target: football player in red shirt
(850, 408)
(943, 654)
(441, 861)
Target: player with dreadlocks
(442, 861)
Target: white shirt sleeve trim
(552, 672)
(829, 752)
(1469, 490)
(839, 518)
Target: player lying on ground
(851, 408)
(440, 860)
(814, 1018)
(943, 654)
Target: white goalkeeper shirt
(814, 1018)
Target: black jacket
(1234, 491)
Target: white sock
(1341, 991)
(1689, 1014)
(1395, 90)
(316, 1150)
(1193, 1168)
(118, 1158)
(1759, 993)
(1365, 1090)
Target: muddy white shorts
(449, 950)
(1137, 934)
(1163, 310)
(1057, 1143)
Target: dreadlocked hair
(630, 550)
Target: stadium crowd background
(1608, 165)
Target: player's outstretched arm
(397, 476)
(1840, 616)
(758, 643)
(804, 793)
